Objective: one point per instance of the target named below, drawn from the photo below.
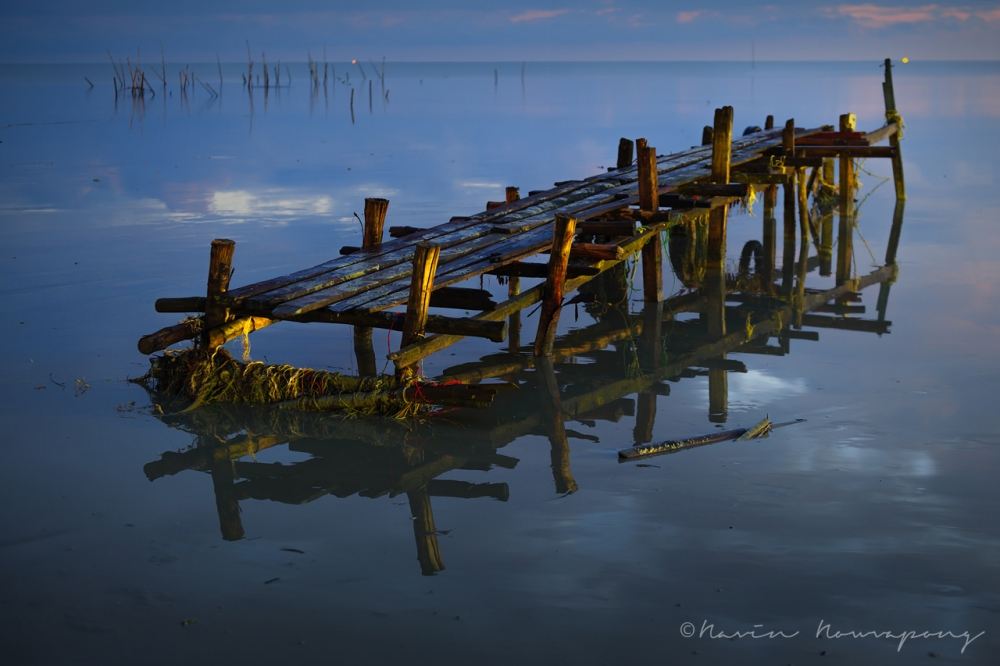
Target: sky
(514, 30)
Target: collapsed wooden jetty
(588, 228)
(616, 368)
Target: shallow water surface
(510, 535)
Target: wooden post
(800, 177)
(375, 211)
(845, 232)
(374, 224)
(652, 251)
(424, 532)
(707, 133)
(640, 144)
(220, 270)
(769, 122)
(425, 260)
(514, 321)
(562, 240)
(892, 116)
(790, 196)
(722, 150)
(624, 153)
(512, 194)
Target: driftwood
(673, 445)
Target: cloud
(690, 15)
(876, 16)
(880, 16)
(532, 15)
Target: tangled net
(195, 377)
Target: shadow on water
(618, 367)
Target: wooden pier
(587, 228)
(617, 368)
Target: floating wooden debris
(760, 429)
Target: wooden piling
(769, 122)
(722, 150)
(707, 134)
(790, 196)
(512, 194)
(845, 232)
(375, 212)
(514, 320)
(892, 116)
(562, 240)
(425, 261)
(220, 270)
(374, 224)
(803, 196)
(652, 252)
(624, 153)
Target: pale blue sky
(193, 30)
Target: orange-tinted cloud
(881, 16)
(876, 16)
(690, 15)
(533, 15)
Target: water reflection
(622, 365)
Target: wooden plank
(544, 199)
(510, 249)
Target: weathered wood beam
(892, 116)
(548, 319)
(220, 270)
(425, 261)
(624, 153)
(649, 201)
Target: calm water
(875, 514)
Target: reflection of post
(890, 256)
(424, 532)
(895, 232)
(769, 234)
(364, 349)
(826, 244)
(845, 232)
(715, 311)
(562, 475)
(230, 523)
(651, 351)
